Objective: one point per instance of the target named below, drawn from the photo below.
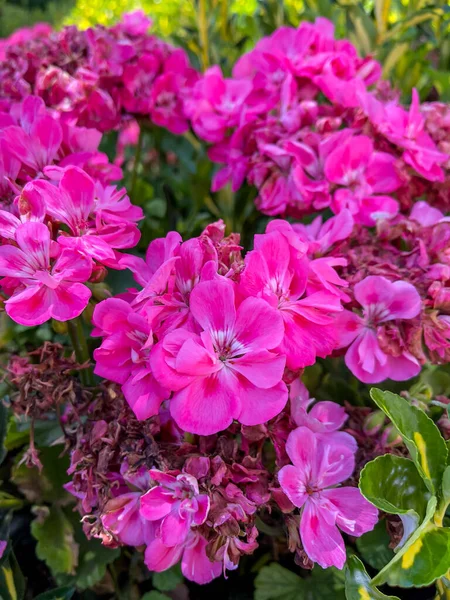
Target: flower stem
(137, 161)
(75, 329)
(203, 33)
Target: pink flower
(381, 301)
(177, 503)
(73, 203)
(310, 484)
(323, 417)
(44, 288)
(278, 271)
(121, 515)
(364, 174)
(123, 356)
(228, 370)
(322, 236)
(35, 143)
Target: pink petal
(174, 529)
(159, 557)
(212, 304)
(34, 239)
(208, 404)
(194, 359)
(30, 307)
(262, 368)
(80, 188)
(258, 325)
(156, 504)
(355, 515)
(144, 395)
(260, 405)
(328, 415)
(293, 481)
(366, 360)
(69, 300)
(196, 565)
(321, 540)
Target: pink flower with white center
(310, 484)
(381, 301)
(45, 289)
(177, 504)
(364, 174)
(228, 371)
(73, 203)
(323, 417)
(278, 271)
(123, 356)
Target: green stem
(75, 329)
(203, 33)
(137, 162)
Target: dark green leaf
(421, 436)
(168, 580)
(62, 593)
(3, 430)
(153, 595)
(9, 502)
(12, 582)
(393, 484)
(55, 541)
(94, 558)
(358, 585)
(274, 582)
(374, 546)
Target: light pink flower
(44, 288)
(227, 371)
(323, 417)
(381, 301)
(310, 484)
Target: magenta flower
(381, 301)
(73, 203)
(323, 417)
(228, 370)
(278, 272)
(123, 356)
(177, 503)
(44, 288)
(310, 484)
(364, 175)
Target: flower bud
(374, 422)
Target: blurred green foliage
(23, 13)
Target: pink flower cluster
(61, 221)
(93, 78)
(298, 122)
(198, 502)
(219, 335)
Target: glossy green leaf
(12, 582)
(373, 546)
(422, 559)
(55, 542)
(62, 593)
(168, 580)
(446, 485)
(393, 484)
(274, 582)
(421, 436)
(358, 585)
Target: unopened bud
(99, 273)
(59, 327)
(374, 422)
(391, 436)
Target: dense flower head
(298, 121)
(94, 77)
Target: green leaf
(12, 582)
(62, 593)
(153, 595)
(274, 582)
(393, 484)
(446, 485)
(94, 558)
(358, 585)
(374, 546)
(422, 559)
(168, 580)
(3, 430)
(421, 436)
(9, 502)
(55, 542)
